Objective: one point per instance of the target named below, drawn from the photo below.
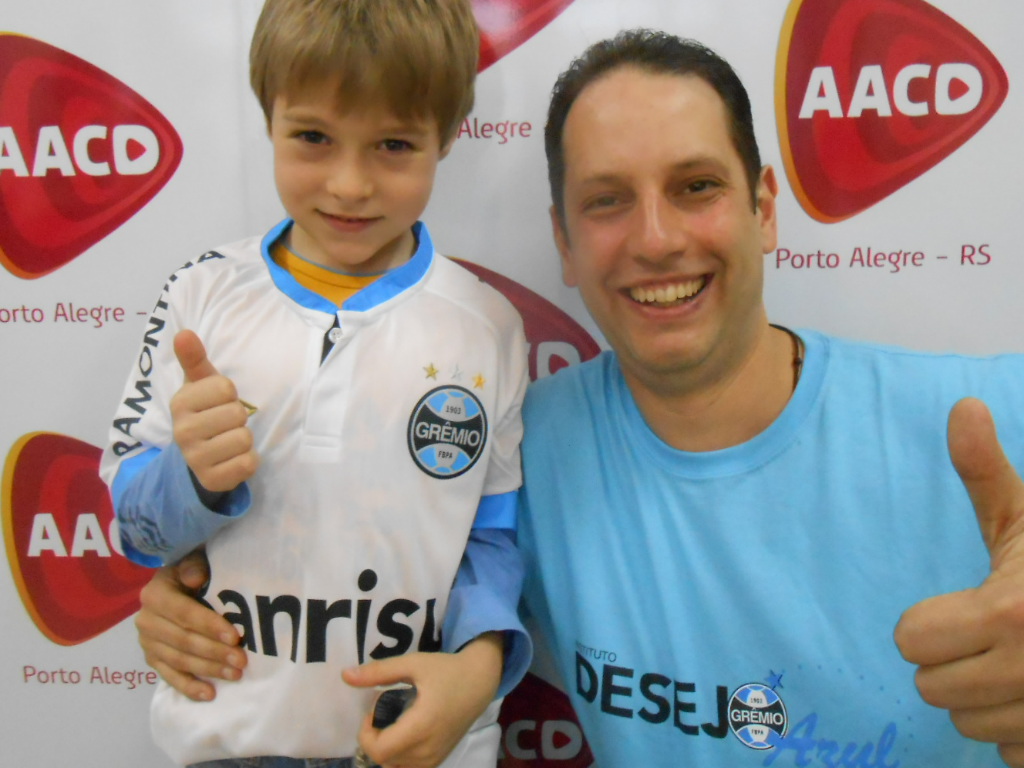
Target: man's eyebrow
(602, 178)
(701, 163)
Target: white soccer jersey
(380, 428)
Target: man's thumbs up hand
(969, 645)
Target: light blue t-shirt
(736, 607)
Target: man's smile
(669, 294)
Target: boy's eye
(311, 137)
(395, 145)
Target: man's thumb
(192, 357)
(193, 570)
(991, 481)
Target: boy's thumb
(383, 672)
(191, 354)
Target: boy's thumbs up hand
(191, 354)
(970, 644)
(210, 421)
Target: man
(723, 520)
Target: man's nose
(659, 230)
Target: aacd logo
(61, 540)
(80, 154)
(507, 24)
(870, 94)
(540, 729)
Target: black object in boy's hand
(386, 710)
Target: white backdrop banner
(130, 143)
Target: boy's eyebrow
(301, 115)
(411, 126)
(302, 119)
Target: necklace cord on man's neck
(798, 353)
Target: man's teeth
(667, 294)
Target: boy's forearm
(160, 515)
(488, 648)
(485, 658)
(485, 600)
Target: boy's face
(354, 183)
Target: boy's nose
(349, 180)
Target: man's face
(660, 235)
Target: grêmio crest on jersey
(447, 431)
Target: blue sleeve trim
(160, 515)
(498, 511)
(127, 470)
(485, 598)
(140, 558)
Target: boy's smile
(354, 182)
(349, 223)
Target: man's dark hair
(658, 53)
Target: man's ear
(767, 194)
(562, 244)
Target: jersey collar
(387, 287)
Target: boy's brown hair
(418, 58)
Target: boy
(376, 446)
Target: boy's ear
(446, 148)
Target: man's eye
(600, 201)
(701, 185)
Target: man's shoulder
(570, 386)
(838, 347)
(912, 381)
